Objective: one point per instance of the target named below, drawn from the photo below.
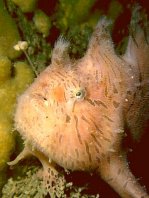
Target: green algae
(9, 34)
(9, 91)
(27, 5)
(31, 185)
(5, 69)
(70, 13)
(42, 22)
(39, 50)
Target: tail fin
(137, 52)
(137, 55)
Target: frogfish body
(75, 112)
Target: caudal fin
(137, 52)
(137, 55)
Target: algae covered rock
(9, 34)
(7, 144)
(23, 76)
(14, 86)
(11, 85)
(5, 69)
(26, 6)
(42, 22)
(28, 186)
(70, 13)
(6, 141)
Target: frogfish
(75, 113)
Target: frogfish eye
(80, 93)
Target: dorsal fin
(60, 56)
(101, 39)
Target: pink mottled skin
(74, 113)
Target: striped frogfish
(75, 112)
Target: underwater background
(28, 31)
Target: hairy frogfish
(75, 112)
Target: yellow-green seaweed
(9, 34)
(14, 86)
(114, 5)
(11, 86)
(26, 5)
(42, 22)
(6, 145)
(5, 69)
(73, 12)
(6, 140)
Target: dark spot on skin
(102, 155)
(116, 104)
(39, 96)
(95, 139)
(61, 75)
(97, 77)
(78, 134)
(115, 90)
(73, 83)
(108, 159)
(106, 91)
(100, 103)
(60, 139)
(97, 128)
(77, 153)
(109, 119)
(90, 101)
(106, 139)
(68, 118)
(88, 151)
(110, 64)
(97, 150)
(45, 98)
(83, 118)
(129, 92)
